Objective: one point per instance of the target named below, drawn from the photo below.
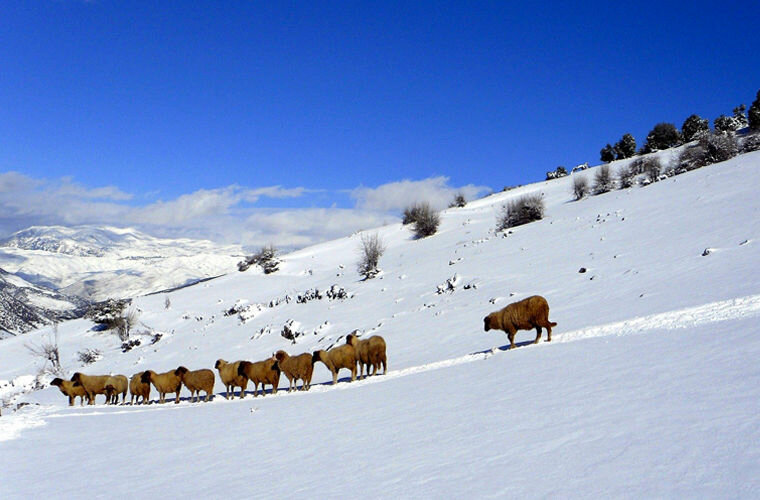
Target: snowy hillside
(650, 386)
(24, 306)
(97, 263)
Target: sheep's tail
(553, 323)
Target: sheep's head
(352, 339)
(77, 378)
(145, 377)
(487, 323)
(280, 355)
(180, 372)
(57, 381)
(219, 362)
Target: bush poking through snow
(266, 257)
(626, 177)
(718, 147)
(521, 211)
(426, 221)
(691, 158)
(370, 251)
(751, 143)
(89, 356)
(107, 313)
(603, 181)
(411, 213)
(651, 168)
(48, 352)
(559, 172)
(459, 201)
(580, 187)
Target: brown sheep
(370, 353)
(164, 383)
(261, 372)
(70, 389)
(296, 367)
(197, 381)
(526, 314)
(336, 358)
(92, 385)
(137, 388)
(228, 373)
(115, 385)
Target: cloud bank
(233, 214)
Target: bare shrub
(651, 168)
(126, 323)
(89, 356)
(167, 302)
(691, 158)
(411, 213)
(719, 147)
(426, 222)
(626, 177)
(521, 211)
(751, 143)
(370, 251)
(459, 201)
(603, 181)
(580, 186)
(266, 257)
(49, 353)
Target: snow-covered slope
(650, 386)
(102, 262)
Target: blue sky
(198, 118)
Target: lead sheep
(70, 389)
(138, 388)
(164, 383)
(336, 358)
(228, 373)
(196, 381)
(526, 314)
(115, 385)
(261, 372)
(370, 353)
(295, 368)
(92, 385)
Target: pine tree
(739, 117)
(625, 147)
(754, 113)
(662, 136)
(607, 154)
(724, 125)
(694, 127)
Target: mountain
(650, 386)
(97, 263)
(24, 306)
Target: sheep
(137, 388)
(336, 358)
(70, 389)
(370, 353)
(296, 367)
(526, 314)
(115, 385)
(197, 381)
(164, 383)
(261, 372)
(92, 385)
(228, 373)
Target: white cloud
(225, 215)
(395, 196)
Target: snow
(98, 263)
(650, 386)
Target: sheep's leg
(538, 335)
(335, 377)
(353, 373)
(548, 333)
(511, 336)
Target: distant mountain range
(73, 266)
